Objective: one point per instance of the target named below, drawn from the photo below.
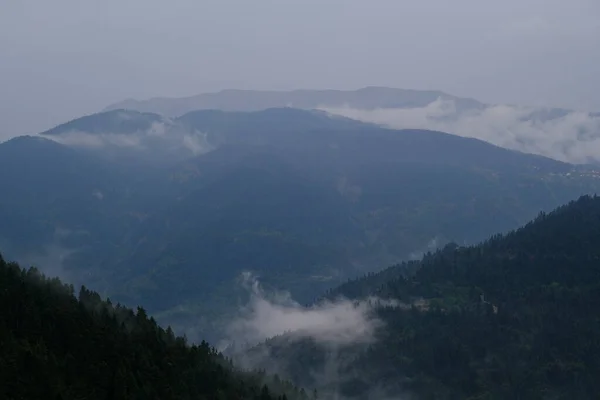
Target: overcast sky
(60, 59)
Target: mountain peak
(118, 121)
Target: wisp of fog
(330, 322)
(341, 328)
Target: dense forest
(54, 345)
(515, 317)
(300, 198)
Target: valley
(302, 199)
(299, 200)
(511, 317)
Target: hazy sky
(60, 59)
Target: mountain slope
(299, 198)
(567, 135)
(117, 122)
(128, 137)
(56, 346)
(51, 187)
(513, 317)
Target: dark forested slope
(55, 346)
(297, 197)
(515, 317)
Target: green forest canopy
(56, 346)
(515, 317)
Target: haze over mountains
(169, 211)
(223, 224)
(300, 200)
(369, 98)
(566, 135)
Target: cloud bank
(339, 330)
(570, 136)
(160, 136)
(339, 322)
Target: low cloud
(330, 322)
(197, 143)
(98, 140)
(335, 333)
(570, 136)
(159, 137)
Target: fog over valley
(300, 200)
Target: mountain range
(266, 229)
(368, 98)
(562, 134)
(168, 212)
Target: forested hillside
(56, 346)
(169, 213)
(515, 317)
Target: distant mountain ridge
(368, 98)
(117, 132)
(562, 134)
(201, 131)
(169, 211)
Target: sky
(61, 59)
